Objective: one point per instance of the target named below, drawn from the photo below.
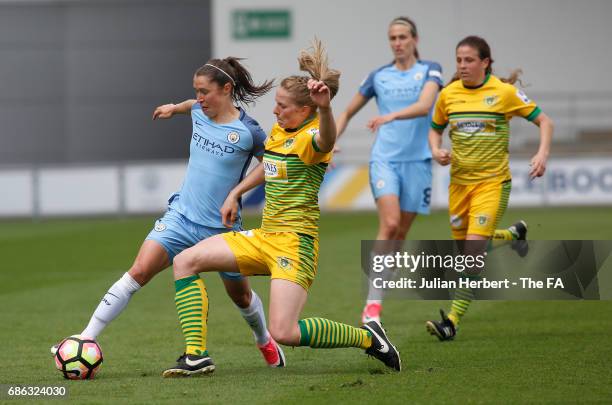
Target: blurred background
(79, 81)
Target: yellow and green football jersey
(479, 121)
(294, 169)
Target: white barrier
(79, 191)
(16, 193)
(580, 182)
(145, 188)
(567, 182)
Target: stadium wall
(561, 45)
(80, 79)
(143, 188)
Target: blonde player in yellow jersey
(477, 106)
(296, 156)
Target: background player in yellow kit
(296, 156)
(477, 106)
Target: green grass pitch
(53, 274)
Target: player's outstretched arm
(538, 162)
(442, 156)
(229, 209)
(418, 109)
(168, 110)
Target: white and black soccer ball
(78, 357)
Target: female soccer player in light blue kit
(400, 163)
(223, 141)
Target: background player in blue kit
(224, 140)
(400, 163)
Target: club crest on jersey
(159, 226)
(491, 100)
(418, 76)
(284, 262)
(233, 137)
(288, 143)
(523, 96)
(482, 220)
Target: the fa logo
(455, 221)
(233, 137)
(159, 226)
(380, 184)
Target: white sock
(112, 304)
(375, 294)
(256, 318)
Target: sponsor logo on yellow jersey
(275, 171)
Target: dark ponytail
(230, 70)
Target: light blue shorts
(410, 181)
(176, 233)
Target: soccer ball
(78, 357)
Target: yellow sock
(192, 306)
(323, 333)
(453, 318)
(460, 305)
(503, 234)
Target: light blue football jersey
(219, 157)
(394, 89)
